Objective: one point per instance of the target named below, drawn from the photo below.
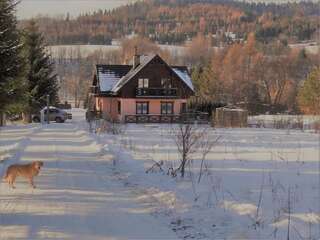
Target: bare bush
(111, 127)
(206, 146)
(156, 167)
(187, 138)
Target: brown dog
(27, 171)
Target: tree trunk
(26, 117)
(2, 119)
(182, 170)
(183, 164)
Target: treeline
(176, 21)
(26, 70)
(260, 77)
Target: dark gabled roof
(109, 75)
(111, 78)
(132, 73)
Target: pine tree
(309, 94)
(195, 75)
(41, 79)
(207, 85)
(11, 60)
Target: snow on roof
(184, 75)
(109, 75)
(107, 80)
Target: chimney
(136, 58)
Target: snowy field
(257, 180)
(95, 186)
(302, 122)
(175, 50)
(71, 51)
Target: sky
(32, 8)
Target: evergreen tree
(206, 84)
(195, 76)
(41, 79)
(210, 89)
(309, 94)
(11, 61)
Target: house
(149, 90)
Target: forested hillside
(175, 21)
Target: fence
(299, 122)
(201, 118)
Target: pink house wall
(109, 106)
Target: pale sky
(32, 8)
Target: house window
(183, 108)
(119, 107)
(143, 83)
(167, 108)
(142, 108)
(166, 83)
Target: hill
(176, 21)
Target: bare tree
(205, 147)
(187, 138)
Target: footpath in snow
(78, 194)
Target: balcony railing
(156, 92)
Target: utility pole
(48, 112)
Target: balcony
(156, 92)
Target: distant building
(149, 90)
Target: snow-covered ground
(253, 176)
(175, 50)
(86, 50)
(95, 186)
(78, 194)
(304, 122)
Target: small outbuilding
(230, 117)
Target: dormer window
(143, 83)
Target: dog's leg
(31, 182)
(11, 182)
